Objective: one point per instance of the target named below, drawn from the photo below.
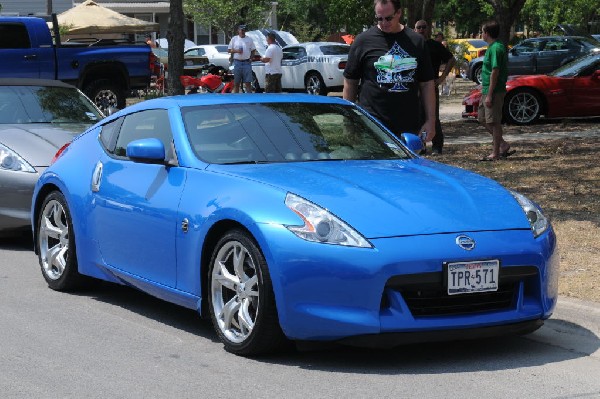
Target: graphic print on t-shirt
(395, 69)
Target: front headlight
(10, 160)
(321, 225)
(537, 220)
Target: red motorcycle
(212, 82)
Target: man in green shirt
(494, 74)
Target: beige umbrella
(90, 17)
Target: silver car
(37, 117)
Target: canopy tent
(90, 17)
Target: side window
(14, 36)
(144, 125)
(108, 134)
(291, 53)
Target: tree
(544, 15)
(176, 40)
(506, 13)
(226, 15)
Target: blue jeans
(242, 71)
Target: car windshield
(286, 132)
(45, 104)
(578, 67)
(335, 50)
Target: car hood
(395, 198)
(38, 142)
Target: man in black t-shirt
(440, 55)
(393, 67)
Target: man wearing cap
(242, 47)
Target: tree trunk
(176, 39)
(506, 12)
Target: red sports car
(572, 90)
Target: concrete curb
(584, 313)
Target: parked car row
(539, 55)
(572, 90)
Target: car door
(550, 56)
(523, 57)
(19, 59)
(293, 65)
(135, 213)
(585, 92)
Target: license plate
(478, 276)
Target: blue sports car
(292, 217)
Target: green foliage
(323, 17)
(226, 15)
(466, 15)
(544, 15)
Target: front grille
(426, 294)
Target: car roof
(34, 82)
(207, 99)
(304, 44)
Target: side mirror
(146, 151)
(412, 142)
(596, 75)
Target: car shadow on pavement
(148, 306)
(557, 341)
(17, 242)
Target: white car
(217, 54)
(315, 67)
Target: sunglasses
(421, 27)
(388, 19)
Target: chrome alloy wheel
(53, 239)
(313, 85)
(523, 107)
(235, 291)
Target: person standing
(494, 74)
(272, 60)
(440, 55)
(242, 47)
(391, 64)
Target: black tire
(477, 74)
(313, 84)
(55, 244)
(106, 95)
(522, 107)
(247, 295)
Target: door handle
(30, 57)
(97, 177)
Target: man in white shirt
(272, 60)
(242, 47)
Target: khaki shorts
(273, 83)
(494, 114)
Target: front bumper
(333, 293)
(16, 191)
